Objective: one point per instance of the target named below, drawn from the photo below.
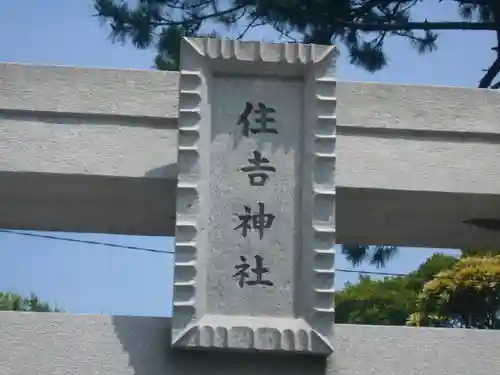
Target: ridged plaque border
(312, 331)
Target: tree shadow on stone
(147, 343)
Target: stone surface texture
(62, 344)
(292, 309)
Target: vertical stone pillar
(255, 232)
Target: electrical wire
(363, 272)
(137, 248)
(49, 237)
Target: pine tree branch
(490, 75)
(494, 69)
(496, 86)
(419, 26)
(198, 19)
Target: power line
(370, 272)
(137, 248)
(49, 237)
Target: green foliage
(470, 252)
(13, 302)
(429, 269)
(377, 255)
(468, 292)
(377, 302)
(389, 301)
(418, 319)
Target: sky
(98, 279)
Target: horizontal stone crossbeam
(414, 162)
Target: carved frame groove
(312, 330)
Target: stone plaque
(255, 232)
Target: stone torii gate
(86, 150)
